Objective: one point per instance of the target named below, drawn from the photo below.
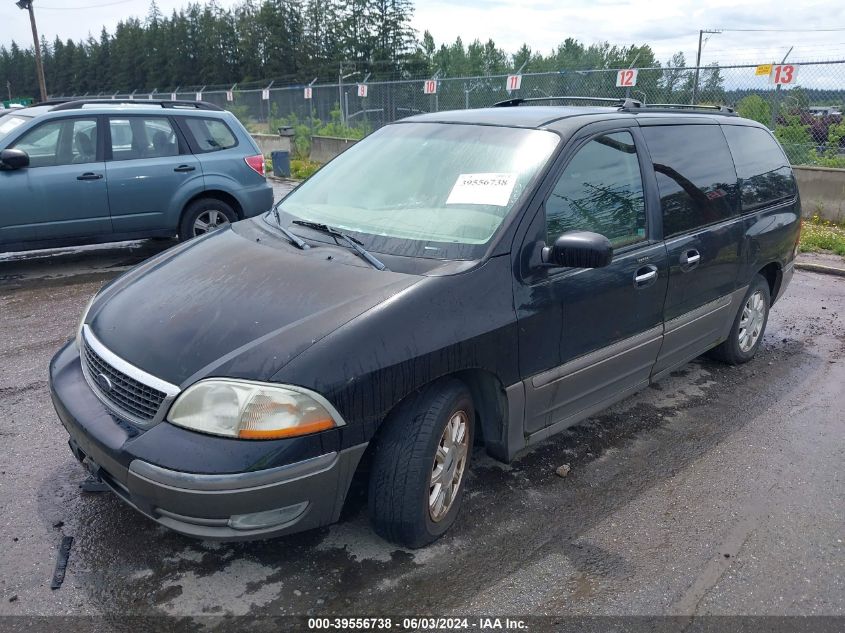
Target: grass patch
(302, 169)
(299, 169)
(822, 235)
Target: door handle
(182, 168)
(89, 175)
(645, 276)
(689, 259)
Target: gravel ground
(717, 491)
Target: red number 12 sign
(626, 78)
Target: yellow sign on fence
(763, 69)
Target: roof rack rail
(79, 103)
(723, 109)
(49, 102)
(622, 102)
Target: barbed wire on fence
(806, 113)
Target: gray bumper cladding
(240, 506)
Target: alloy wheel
(449, 465)
(751, 321)
(209, 220)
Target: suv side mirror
(579, 249)
(13, 159)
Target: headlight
(252, 410)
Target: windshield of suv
(424, 189)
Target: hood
(240, 302)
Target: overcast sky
(667, 25)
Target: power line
(89, 6)
(783, 30)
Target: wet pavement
(717, 491)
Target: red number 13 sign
(783, 75)
(626, 78)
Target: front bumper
(260, 503)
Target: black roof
(530, 117)
(541, 116)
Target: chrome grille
(140, 402)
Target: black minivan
(485, 277)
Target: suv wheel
(750, 323)
(205, 215)
(420, 464)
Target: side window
(765, 176)
(695, 175)
(142, 137)
(601, 190)
(64, 142)
(211, 134)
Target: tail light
(256, 163)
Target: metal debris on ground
(93, 484)
(61, 562)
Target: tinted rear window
(765, 176)
(211, 135)
(695, 175)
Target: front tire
(205, 215)
(749, 325)
(420, 463)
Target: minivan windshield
(424, 189)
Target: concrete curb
(819, 268)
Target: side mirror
(13, 159)
(579, 249)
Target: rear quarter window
(765, 176)
(210, 135)
(695, 175)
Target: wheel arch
(215, 194)
(773, 274)
(489, 399)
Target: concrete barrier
(822, 192)
(268, 143)
(324, 148)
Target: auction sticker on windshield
(492, 189)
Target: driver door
(588, 337)
(62, 194)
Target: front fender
(440, 326)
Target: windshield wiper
(296, 241)
(353, 243)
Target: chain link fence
(806, 112)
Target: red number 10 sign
(626, 78)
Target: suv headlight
(252, 410)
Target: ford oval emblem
(104, 383)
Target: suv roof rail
(76, 104)
(622, 102)
(48, 102)
(722, 109)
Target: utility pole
(39, 68)
(698, 63)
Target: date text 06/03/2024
(418, 624)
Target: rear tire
(749, 325)
(420, 462)
(205, 215)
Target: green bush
(796, 141)
(754, 107)
(303, 129)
